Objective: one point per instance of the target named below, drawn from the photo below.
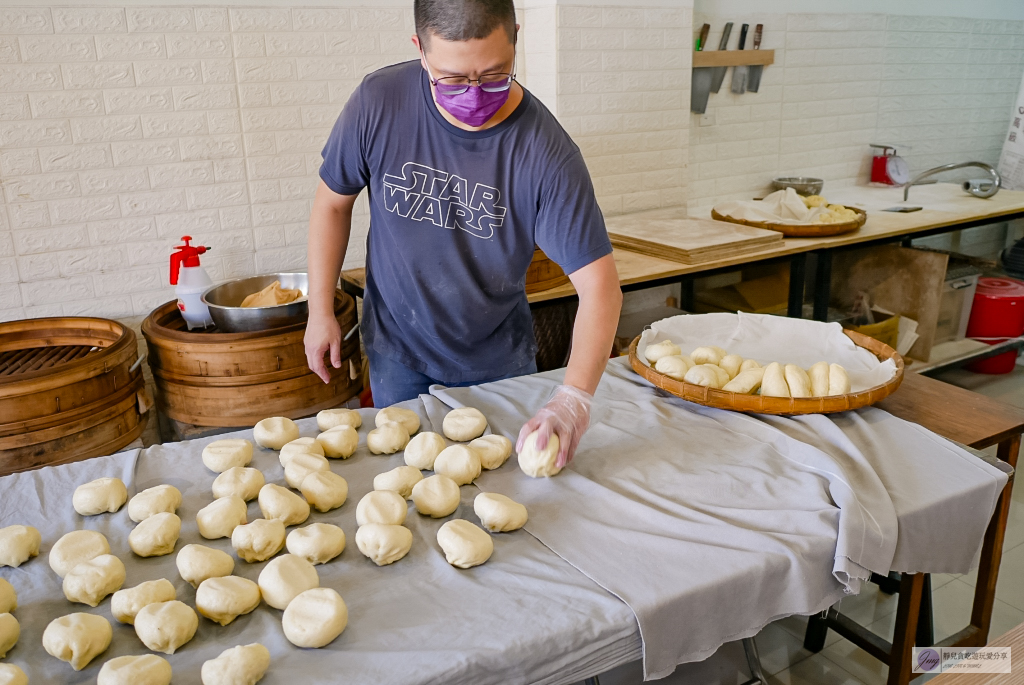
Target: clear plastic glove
(566, 414)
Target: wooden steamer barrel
(543, 274)
(207, 378)
(70, 389)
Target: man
(465, 172)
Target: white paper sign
(1011, 161)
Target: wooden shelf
(732, 58)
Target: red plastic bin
(996, 316)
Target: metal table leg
(822, 285)
(592, 681)
(754, 663)
(797, 273)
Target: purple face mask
(474, 107)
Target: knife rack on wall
(733, 58)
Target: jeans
(393, 382)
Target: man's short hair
(463, 19)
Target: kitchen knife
(754, 74)
(719, 76)
(739, 73)
(700, 83)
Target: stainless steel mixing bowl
(804, 185)
(224, 300)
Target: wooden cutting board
(688, 241)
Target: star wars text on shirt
(426, 194)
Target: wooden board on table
(690, 241)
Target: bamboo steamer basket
(543, 274)
(801, 230)
(70, 389)
(756, 404)
(206, 378)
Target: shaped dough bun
(197, 563)
(219, 518)
(166, 626)
(77, 638)
(146, 669)
(493, 450)
(819, 379)
(301, 465)
(499, 514)
(18, 544)
(540, 463)
(155, 500)
(409, 419)
(749, 364)
(315, 618)
(91, 581)
(259, 540)
(704, 375)
(464, 544)
(383, 544)
(243, 482)
(731, 364)
(285, 577)
(797, 380)
(324, 490)
(381, 506)
(155, 536)
(224, 599)
(838, 380)
(126, 604)
(399, 479)
(101, 496)
(464, 424)
(388, 439)
(665, 348)
(242, 665)
(707, 355)
(10, 631)
(436, 496)
(221, 455)
(339, 442)
(282, 504)
(300, 446)
(423, 449)
(12, 675)
(773, 383)
(460, 463)
(746, 382)
(332, 418)
(275, 432)
(8, 597)
(723, 376)
(674, 366)
(74, 548)
(317, 543)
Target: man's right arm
(330, 224)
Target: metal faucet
(977, 190)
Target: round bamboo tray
(801, 230)
(757, 404)
(543, 274)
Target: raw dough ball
(91, 581)
(399, 479)
(18, 544)
(499, 514)
(284, 578)
(673, 366)
(749, 364)
(239, 481)
(436, 496)
(324, 490)
(838, 381)
(409, 419)
(464, 544)
(317, 543)
(731, 364)
(538, 463)
(147, 669)
(493, 450)
(196, 563)
(77, 638)
(300, 446)
(127, 603)
(282, 504)
(745, 382)
(74, 548)
(723, 375)
(381, 506)
(819, 379)
(665, 348)
(388, 439)
(221, 455)
(10, 631)
(423, 450)
(464, 424)
(219, 518)
(301, 465)
(224, 599)
(155, 536)
(383, 544)
(315, 618)
(340, 442)
(797, 380)
(8, 597)
(242, 665)
(773, 383)
(275, 432)
(332, 418)
(259, 540)
(166, 626)
(12, 675)
(458, 462)
(704, 375)
(100, 496)
(707, 355)
(156, 500)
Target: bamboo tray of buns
(801, 230)
(758, 404)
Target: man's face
(472, 58)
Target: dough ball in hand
(382, 543)
(242, 665)
(339, 443)
(400, 479)
(18, 544)
(436, 496)
(285, 577)
(282, 504)
(381, 506)
(10, 631)
(259, 540)
(773, 382)
(464, 424)
(166, 626)
(155, 536)
(146, 669)
(274, 433)
(704, 375)
(242, 482)
(74, 548)
(707, 355)
(8, 597)
(493, 450)
(155, 500)
(301, 465)
(409, 419)
(539, 463)
(423, 449)
(315, 618)
(464, 544)
(300, 446)
(101, 496)
(12, 675)
(77, 638)
(819, 379)
(674, 366)
(91, 581)
(126, 604)
(460, 463)
(387, 439)
(498, 513)
(838, 380)
(317, 543)
(324, 490)
(224, 599)
(221, 455)
(332, 418)
(196, 563)
(731, 364)
(665, 348)
(219, 518)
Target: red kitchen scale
(888, 168)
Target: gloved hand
(566, 414)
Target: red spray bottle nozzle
(185, 255)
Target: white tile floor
(785, 660)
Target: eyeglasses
(456, 85)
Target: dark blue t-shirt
(454, 216)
